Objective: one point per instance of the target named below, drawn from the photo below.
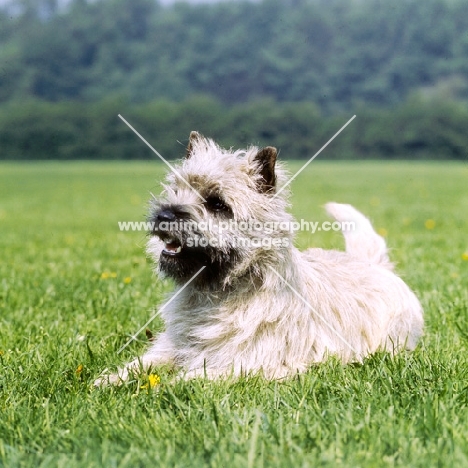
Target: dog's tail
(362, 242)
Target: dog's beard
(182, 257)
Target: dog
(247, 301)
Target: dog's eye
(214, 203)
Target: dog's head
(219, 210)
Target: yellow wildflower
(430, 224)
(153, 380)
(465, 255)
(108, 274)
(383, 232)
(127, 280)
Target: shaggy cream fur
(271, 310)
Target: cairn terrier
(247, 301)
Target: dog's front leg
(161, 352)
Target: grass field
(73, 288)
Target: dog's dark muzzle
(167, 224)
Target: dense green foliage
(73, 289)
(417, 129)
(334, 53)
(287, 73)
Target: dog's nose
(166, 215)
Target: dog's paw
(111, 379)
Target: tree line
(286, 73)
(416, 129)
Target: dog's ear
(194, 136)
(266, 159)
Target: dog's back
(365, 267)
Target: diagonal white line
(134, 337)
(314, 156)
(312, 309)
(171, 167)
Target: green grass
(65, 302)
